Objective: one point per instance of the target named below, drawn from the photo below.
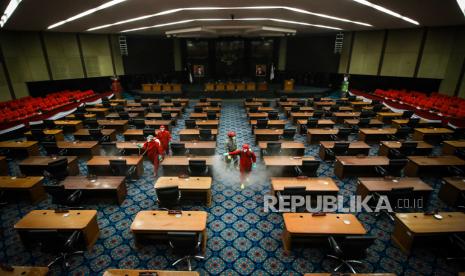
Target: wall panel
(454, 66)
(401, 53)
(63, 54)
(117, 58)
(97, 56)
(366, 52)
(344, 58)
(4, 89)
(436, 54)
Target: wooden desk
(257, 115)
(31, 185)
(141, 111)
(208, 103)
(322, 104)
(136, 135)
(57, 133)
(432, 135)
(262, 109)
(322, 123)
(115, 185)
(118, 125)
(423, 148)
(160, 222)
(305, 225)
(432, 166)
(136, 272)
(173, 109)
(157, 123)
(211, 108)
(80, 148)
(341, 116)
(158, 116)
(355, 148)
(3, 166)
(82, 220)
(200, 148)
(178, 165)
(100, 111)
(381, 185)
(201, 115)
(373, 123)
(115, 116)
(387, 117)
(271, 124)
(26, 271)
(346, 166)
(21, 148)
(268, 134)
(451, 190)
(375, 134)
(283, 165)
(207, 124)
(119, 101)
(410, 225)
(69, 125)
(35, 165)
(313, 185)
(193, 134)
(294, 116)
(100, 165)
(315, 135)
(289, 148)
(449, 147)
(252, 104)
(191, 187)
(422, 123)
(358, 105)
(84, 135)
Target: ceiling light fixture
(85, 13)
(236, 19)
(227, 8)
(388, 11)
(10, 9)
(461, 5)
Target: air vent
(338, 43)
(123, 46)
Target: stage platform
(195, 91)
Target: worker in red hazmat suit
(165, 139)
(152, 147)
(246, 163)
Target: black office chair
(91, 123)
(287, 194)
(316, 99)
(349, 250)
(413, 122)
(155, 108)
(407, 114)
(312, 123)
(457, 244)
(273, 148)
(206, 135)
(198, 109)
(167, 99)
(317, 114)
(302, 102)
(460, 153)
(295, 108)
(57, 170)
(273, 115)
(262, 123)
(118, 108)
(198, 168)
(50, 124)
(80, 115)
(342, 134)
(408, 148)
(214, 104)
(283, 99)
(123, 115)
(97, 135)
(190, 123)
(51, 148)
(178, 149)
(148, 131)
(120, 167)
(288, 134)
(375, 102)
(106, 104)
(146, 105)
(253, 109)
(395, 154)
(366, 113)
(177, 104)
(352, 98)
(211, 115)
(402, 133)
(137, 99)
(166, 115)
(377, 107)
(334, 108)
(63, 243)
(186, 244)
(309, 168)
(339, 149)
(394, 196)
(139, 123)
(203, 100)
(394, 168)
(168, 198)
(266, 104)
(64, 199)
(364, 122)
(39, 135)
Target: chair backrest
(177, 104)
(293, 190)
(51, 148)
(167, 99)
(37, 134)
(203, 100)
(301, 102)
(205, 134)
(312, 122)
(317, 114)
(119, 108)
(148, 131)
(155, 108)
(403, 132)
(356, 246)
(185, 243)
(198, 109)
(248, 100)
(214, 103)
(190, 123)
(266, 104)
(91, 122)
(166, 115)
(123, 115)
(95, 133)
(334, 108)
(289, 133)
(399, 194)
(273, 148)
(137, 99)
(343, 133)
(413, 122)
(211, 115)
(408, 147)
(283, 99)
(197, 167)
(50, 124)
(262, 123)
(407, 114)
(295, 108)
(139, 122)
(273, 115)
(253, 109)
(119, 167)
(341, 148)
(351, 98)
(366, 113)
(364, 122)
(58, 168)
(310, 167)
(396, 166)
(168, 196)
(178, 149)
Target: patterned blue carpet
(242, 239)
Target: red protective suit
(247, 158)
(154, 150)
(165, 138)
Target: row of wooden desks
(194, 148)
(57, 133)
(271, 124)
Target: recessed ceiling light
(461, 5)
(228, 19)
(85, 13)
(10, 9)
(228, 8)
(388, 11)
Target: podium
(288, 85)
